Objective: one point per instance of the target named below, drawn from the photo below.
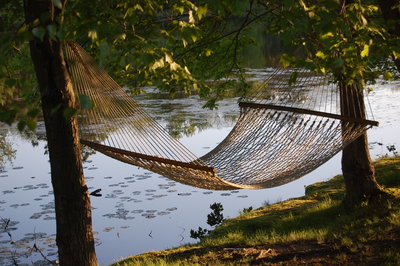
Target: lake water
(140, 211)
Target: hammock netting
(289, 126)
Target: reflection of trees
(7, 153)
(180, 126)
(184, 115)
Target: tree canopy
(180, 45)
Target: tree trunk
(72, 203)
(357, 167)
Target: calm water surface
(140, 211)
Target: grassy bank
(314, 229)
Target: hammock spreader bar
(309, 112)
(97, 146)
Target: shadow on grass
(317, 228)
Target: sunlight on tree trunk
(358, 169)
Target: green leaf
(8, 116)
(57, 3)
(33, 112)
(388, 75)
(321, 55)
(293, 78)
(52, 29)
(287, 60)
(21, 125)
(202, 11)
(10, 83)
(337, 63)
(327, 35)
(92, 35)
(211, 104)
(69, 113)
(365, 51)
(85, 102)
(31, 124)
(39, 32)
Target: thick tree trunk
(72, 203)
(357, 167)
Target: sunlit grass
(319, 217)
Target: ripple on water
(163, 213)
(184, 194)
(148, 215)
(159, 196)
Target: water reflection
(7, 152)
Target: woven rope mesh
(287, 127)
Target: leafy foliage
(348, 39)
(180, 45)
(214, 218)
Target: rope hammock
(289, 126)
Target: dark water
(140, 211)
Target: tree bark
(72, 203)
(357, 167)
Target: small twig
(13, 256)
(181, 234)
(36, 248)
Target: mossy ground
(317, 229)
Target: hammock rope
(288, 127)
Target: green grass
(364, 234)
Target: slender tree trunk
(357, 167)
(72, 203)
